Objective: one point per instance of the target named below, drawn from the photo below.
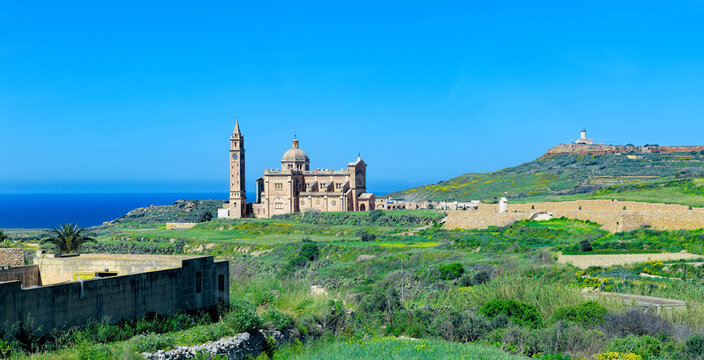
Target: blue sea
(49, 210)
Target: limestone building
(583, 138)
(295, 187)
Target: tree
(585, 245)
(207, 216)
(68, 238)
(4, 240)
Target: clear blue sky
(132, 96)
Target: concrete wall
(117, 298)
(27, 275)
(11, 256)
(608, 213)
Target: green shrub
(555, 357)
(242, 317)
(151, 343)
(275, 319)
(589, 313)
(645, 346)
(694, 347)
(368, 237)
(451, 271)
(520, 313)
(459, 326)
(585, 245)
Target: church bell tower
(238, 196)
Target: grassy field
(349, 284)
(397, 349)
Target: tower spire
(237, 125)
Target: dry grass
(585, 261)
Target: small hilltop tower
(238, 195)
(583, 138)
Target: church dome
(295, 158)
(295, 155)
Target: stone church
(295, 188)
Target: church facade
(295, 187)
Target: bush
(381, 299)
(645, 346)
(585, 245)
(308, 252)
(481, 277)
(242, 317)
(451, 271)
(520, 313)
(637, 322)
(558, 338)
(368, 237)
(615, 356)
(206, 216)
(151, 343)
(694, 347)
(275, 319)
(464, 326)
(478, 278)
(589, 313)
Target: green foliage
(275, 319)
(206, 216)
(396, 349)
(4, 239)
(373, 218)
(368, 237)
(520, 313)
(152, 343)
(242, 317)
(589, 314)
(460, 326)
(585, 245)
(645, 346)
(308, 252)
(68, 238)
(451, 271)
(694, 347)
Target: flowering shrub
(615, 356)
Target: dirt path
(640, 300)
(585, 261)
(416, 230)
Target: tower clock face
(234, 156)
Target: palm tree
(4, 240)
(68, 238)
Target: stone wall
(11, 256)
(181, 226)
(608, 213)
(60, 269)
(26, 275)
(199, 283)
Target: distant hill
(180, 211)
(578, 171)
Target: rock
(365, 257)
(318, 290)
(240, 346)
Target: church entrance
(362, 207)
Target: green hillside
(641, 177)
